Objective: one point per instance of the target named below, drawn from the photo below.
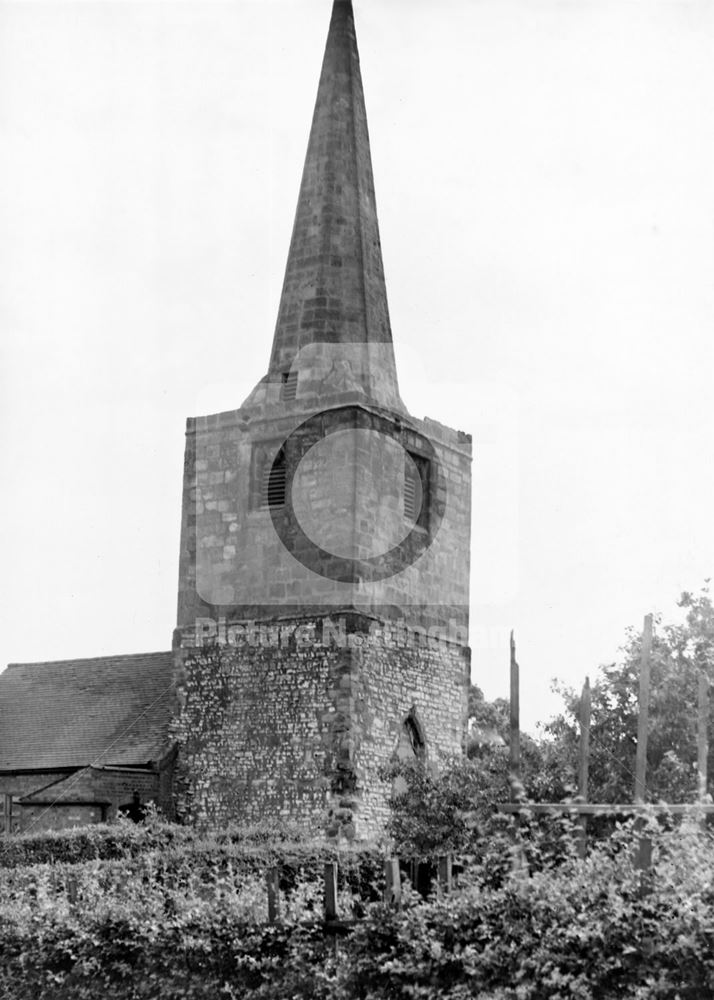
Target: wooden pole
(392, 882)
(702, 737)
(643, 850)
(272, 878)
(643, 712)
(444, 872)
(515, 727)
(584, 764)
(330, 890)
(643, 854)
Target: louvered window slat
(410, 496)
(290, 381)
(273, 484)
(416, 489)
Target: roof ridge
(88, 659)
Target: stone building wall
(402, 673)
(294, 719)
(38, 818)
(88, 795)
(260, 731)
(21, 783)
(234, 561)
(17, 784)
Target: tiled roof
(108, 710)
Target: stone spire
(333, 314)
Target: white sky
(544, 182)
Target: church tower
(324, 568)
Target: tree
(679, 653)
(455, 808)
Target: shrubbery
(595, 929)
(114, 855)
(564, 928)
(123, 839)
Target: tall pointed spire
(334, 291)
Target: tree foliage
(679, 653)
(453, 809)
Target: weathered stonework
(398, 674)
(259, 732)
(233, 562)
(294, 719)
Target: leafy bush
(594, 929)
(122, 928)
(528, 921)
(176, 853)
(124, 954)
(124, 838)
(455, 811)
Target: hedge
(124, 838)
(174, 852)
(593, 929)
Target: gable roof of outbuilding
(72, 713)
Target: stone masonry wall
(263, 728)
(22, 783)
(93, 794)
(293, 720)
(40, 818)
(398, 672)
(233, 561)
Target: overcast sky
(544, 183)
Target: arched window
(411, 749)
(411, 745)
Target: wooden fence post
(444, 872)
(584, 764)
(514, 757)
(273, 883)
(643, 712)
(392, 882)
(72, 890)
(643, 854)
(330, 896)
(643, 850)
(515, 727)
(702, 737)
(7, 803)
